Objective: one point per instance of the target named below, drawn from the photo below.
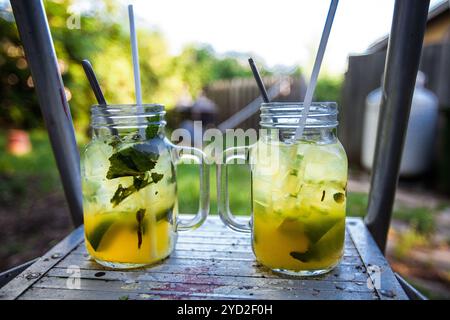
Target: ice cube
(90, 187)
(290, 184)
(96, 158)
(262, 191)
(324, 163)
(260, 207)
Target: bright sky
(283, 32)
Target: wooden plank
(212, 256)
(69, 294)
(435, 63)
(379, 271)
(223, 268)
(63, 294)
(29, 276)
(201, 279)
(10, 274)
(187, 258)
(363, 75)
(232, 95)
(187, 289)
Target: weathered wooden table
(211, 262)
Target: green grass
(39, 160)
(420, 218)
(357, 204)
(37, 168)
(188, 189)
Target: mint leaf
(135, 161)
(132, 161)
(121, 194)
(139, 183)
(114, 142)
(153, 126)
(156, 177)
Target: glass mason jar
(129, 186)
(298, 190)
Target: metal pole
(402, 63)
(38, 46)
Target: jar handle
(223, 201)
(181, 153)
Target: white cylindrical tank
(420, 136)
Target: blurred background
(193, 59)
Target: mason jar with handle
(298, 190)
(129, 186)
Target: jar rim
(331, 105)
(287, 115)
(128, 107)
(125, 116)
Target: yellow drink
(299, 198)
(128, 215)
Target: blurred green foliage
(239, 187)
(421, 219)
(199, 66)
(103, 39)
(328, 88)
(35, 172)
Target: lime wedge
(164, 215)
(316, 228)
(329, 244)
(291, 226)
(96, 236)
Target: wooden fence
(364, 74)
(233, 95)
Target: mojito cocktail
(129, 190)
(298, 189)
(299, 198)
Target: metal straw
(90, 74)
(135, 56)
(137, 74)
(259, 81)
(316, 68)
